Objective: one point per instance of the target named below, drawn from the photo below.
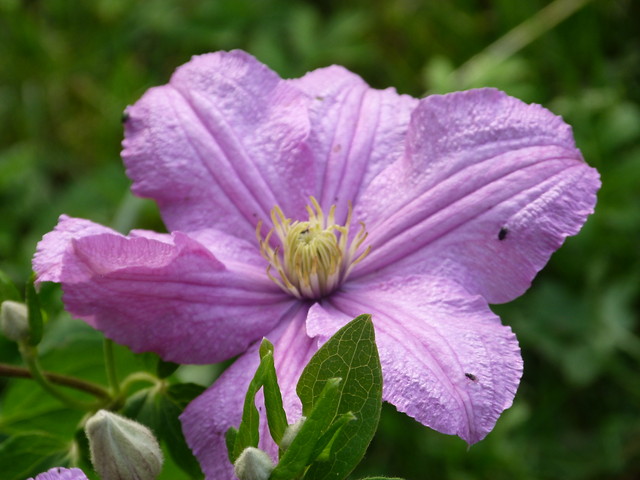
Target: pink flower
(457, 201)
(59, 473)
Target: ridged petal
(163, 293)
(446, 359)
(489, 188)
(59, 473)
(218, 146)
(356, 131)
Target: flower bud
(122, 449)
(253, 464)
(291, 432)
(14, 319)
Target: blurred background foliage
(69, 68)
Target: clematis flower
(296, 205)
(59, 473)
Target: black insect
(125, 117)
(502, 234)
(471, 377)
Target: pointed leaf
(276, 416)
(230, 442)
(303, 447)
(182, 393)
(322, 449)
(352, 355)
(174, 439)
(249, 430)
(164, 369)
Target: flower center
(316, 256)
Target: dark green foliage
(30, 453)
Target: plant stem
(516, 39)
(139, 377)
(64, 380)
(110, 367)
(30, 357)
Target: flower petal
(59, 473)
(446, 359)
(48, 260)
(215, 147)
(356, 131)
(167, 294)
(489, 188)
(207, 418)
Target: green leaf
(35, 315)
(182, 393)
(322, 450)
(8, 290)
(28, 454)
(350, 354)
(164, 369)
(144, 407)
(248, 432)
(276, 416)
(230, 441)
(305, 446)
(174, 439)
(26, 408)
(159, 409)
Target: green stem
(58, 379)
(515, 40)
(139, 377)
(30, 357)
(110, 367)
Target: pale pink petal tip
(168, 294)
(59, 473)
(48, 260)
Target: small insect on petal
(125, 117)
(502, 234)
(471, 377)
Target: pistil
(314, 256)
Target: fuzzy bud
(122, 449)
(14, 319)
(253, 464)
(291, 432)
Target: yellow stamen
(316, 256)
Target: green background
(69, 68)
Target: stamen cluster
(315, 256)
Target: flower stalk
(57, 379)
(110, 367)
(30, 356)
